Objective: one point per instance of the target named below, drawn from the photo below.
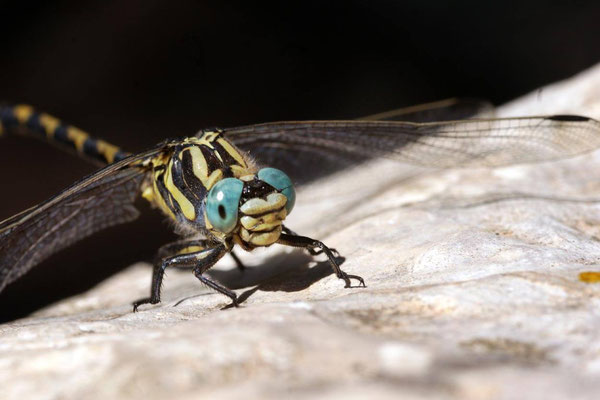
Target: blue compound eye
(280, 181)
(222, 204)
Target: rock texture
(473, 293)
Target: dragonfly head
(252, 208)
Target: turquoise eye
(280, 181)
(222, 204)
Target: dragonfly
(226, 188)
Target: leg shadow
(290, 272)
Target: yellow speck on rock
(589, 277)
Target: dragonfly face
(251, 209)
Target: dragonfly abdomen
(52, 129)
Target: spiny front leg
(311, 250)
(239, 264)
(201, 259)
(315, 246)
(198, 271)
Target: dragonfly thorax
(205, 184)
(187, 170)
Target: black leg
(287, 230)
(180, 247)
(203, 267)
(157, 276)
(201, 260)
(240, 265)
(215, 286)
(312, 244)
(311, 250)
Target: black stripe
(177, 175)
(212, 161)
(60, 135)
(568, 118)
(119, 155)
(8, 117)
(166, 195)
(90, 148)
(8, 120)
(228, 160)
(33, 123)
(190, 179)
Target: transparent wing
(308, 149)
(444, 110)
(98, 201)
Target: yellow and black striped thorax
(53, 130)
(184, 173)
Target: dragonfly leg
(216, 286)
(311, 250)
(287, 230)
(240, 265)
(319, 247)
(206, 263)
(200, 260)
(180, 247)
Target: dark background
(136, 72)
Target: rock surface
(473, 293)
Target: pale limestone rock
(473, 293)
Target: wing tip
(568, 118)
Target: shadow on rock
(285, 272)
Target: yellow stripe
(232, 152)
(148, 194)
(22, 113)
(155, 198)
(186, 206)
(215, 177)
(77, 136)
(207, 138)
(216, 153)
(49, 123)
(107, 150)
(239, 171)
(150, 189)
(200, 169)
(190, 249)
(199, 165)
